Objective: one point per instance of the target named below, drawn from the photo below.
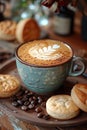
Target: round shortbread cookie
(79, 96)
(7, 30)
(27, 30)
(9, 85)
(61, 107)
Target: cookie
(62, 107)
(27, 30)
(79, 96)
(7, 30)
(9, 85)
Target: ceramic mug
(43, 79)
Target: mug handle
(78, 66)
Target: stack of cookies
(65, 107)
(23, 31)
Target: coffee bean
(38, 109)
(31, 106)
(34, 98)
(24, 108)
(34, 102)
(24, 98)
(26, 91)
(15, 104)
(40, 115)
(26, 103)
(30, 94)
(30, 99)
(20, 102)
(39, 100)
(27, 100)
(46, 117)
(43, 104)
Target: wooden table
(9, 122)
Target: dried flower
(60, 3)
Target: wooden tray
(5, 104)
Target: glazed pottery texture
(43, 80)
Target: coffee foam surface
(45, 52)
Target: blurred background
(21, 9)
(67, 23)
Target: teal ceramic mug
(44, 65)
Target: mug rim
(41, 66)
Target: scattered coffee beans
(27, 100)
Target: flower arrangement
(60, 3)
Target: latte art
(45, 53)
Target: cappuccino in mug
(45, 53)
(43, 65)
